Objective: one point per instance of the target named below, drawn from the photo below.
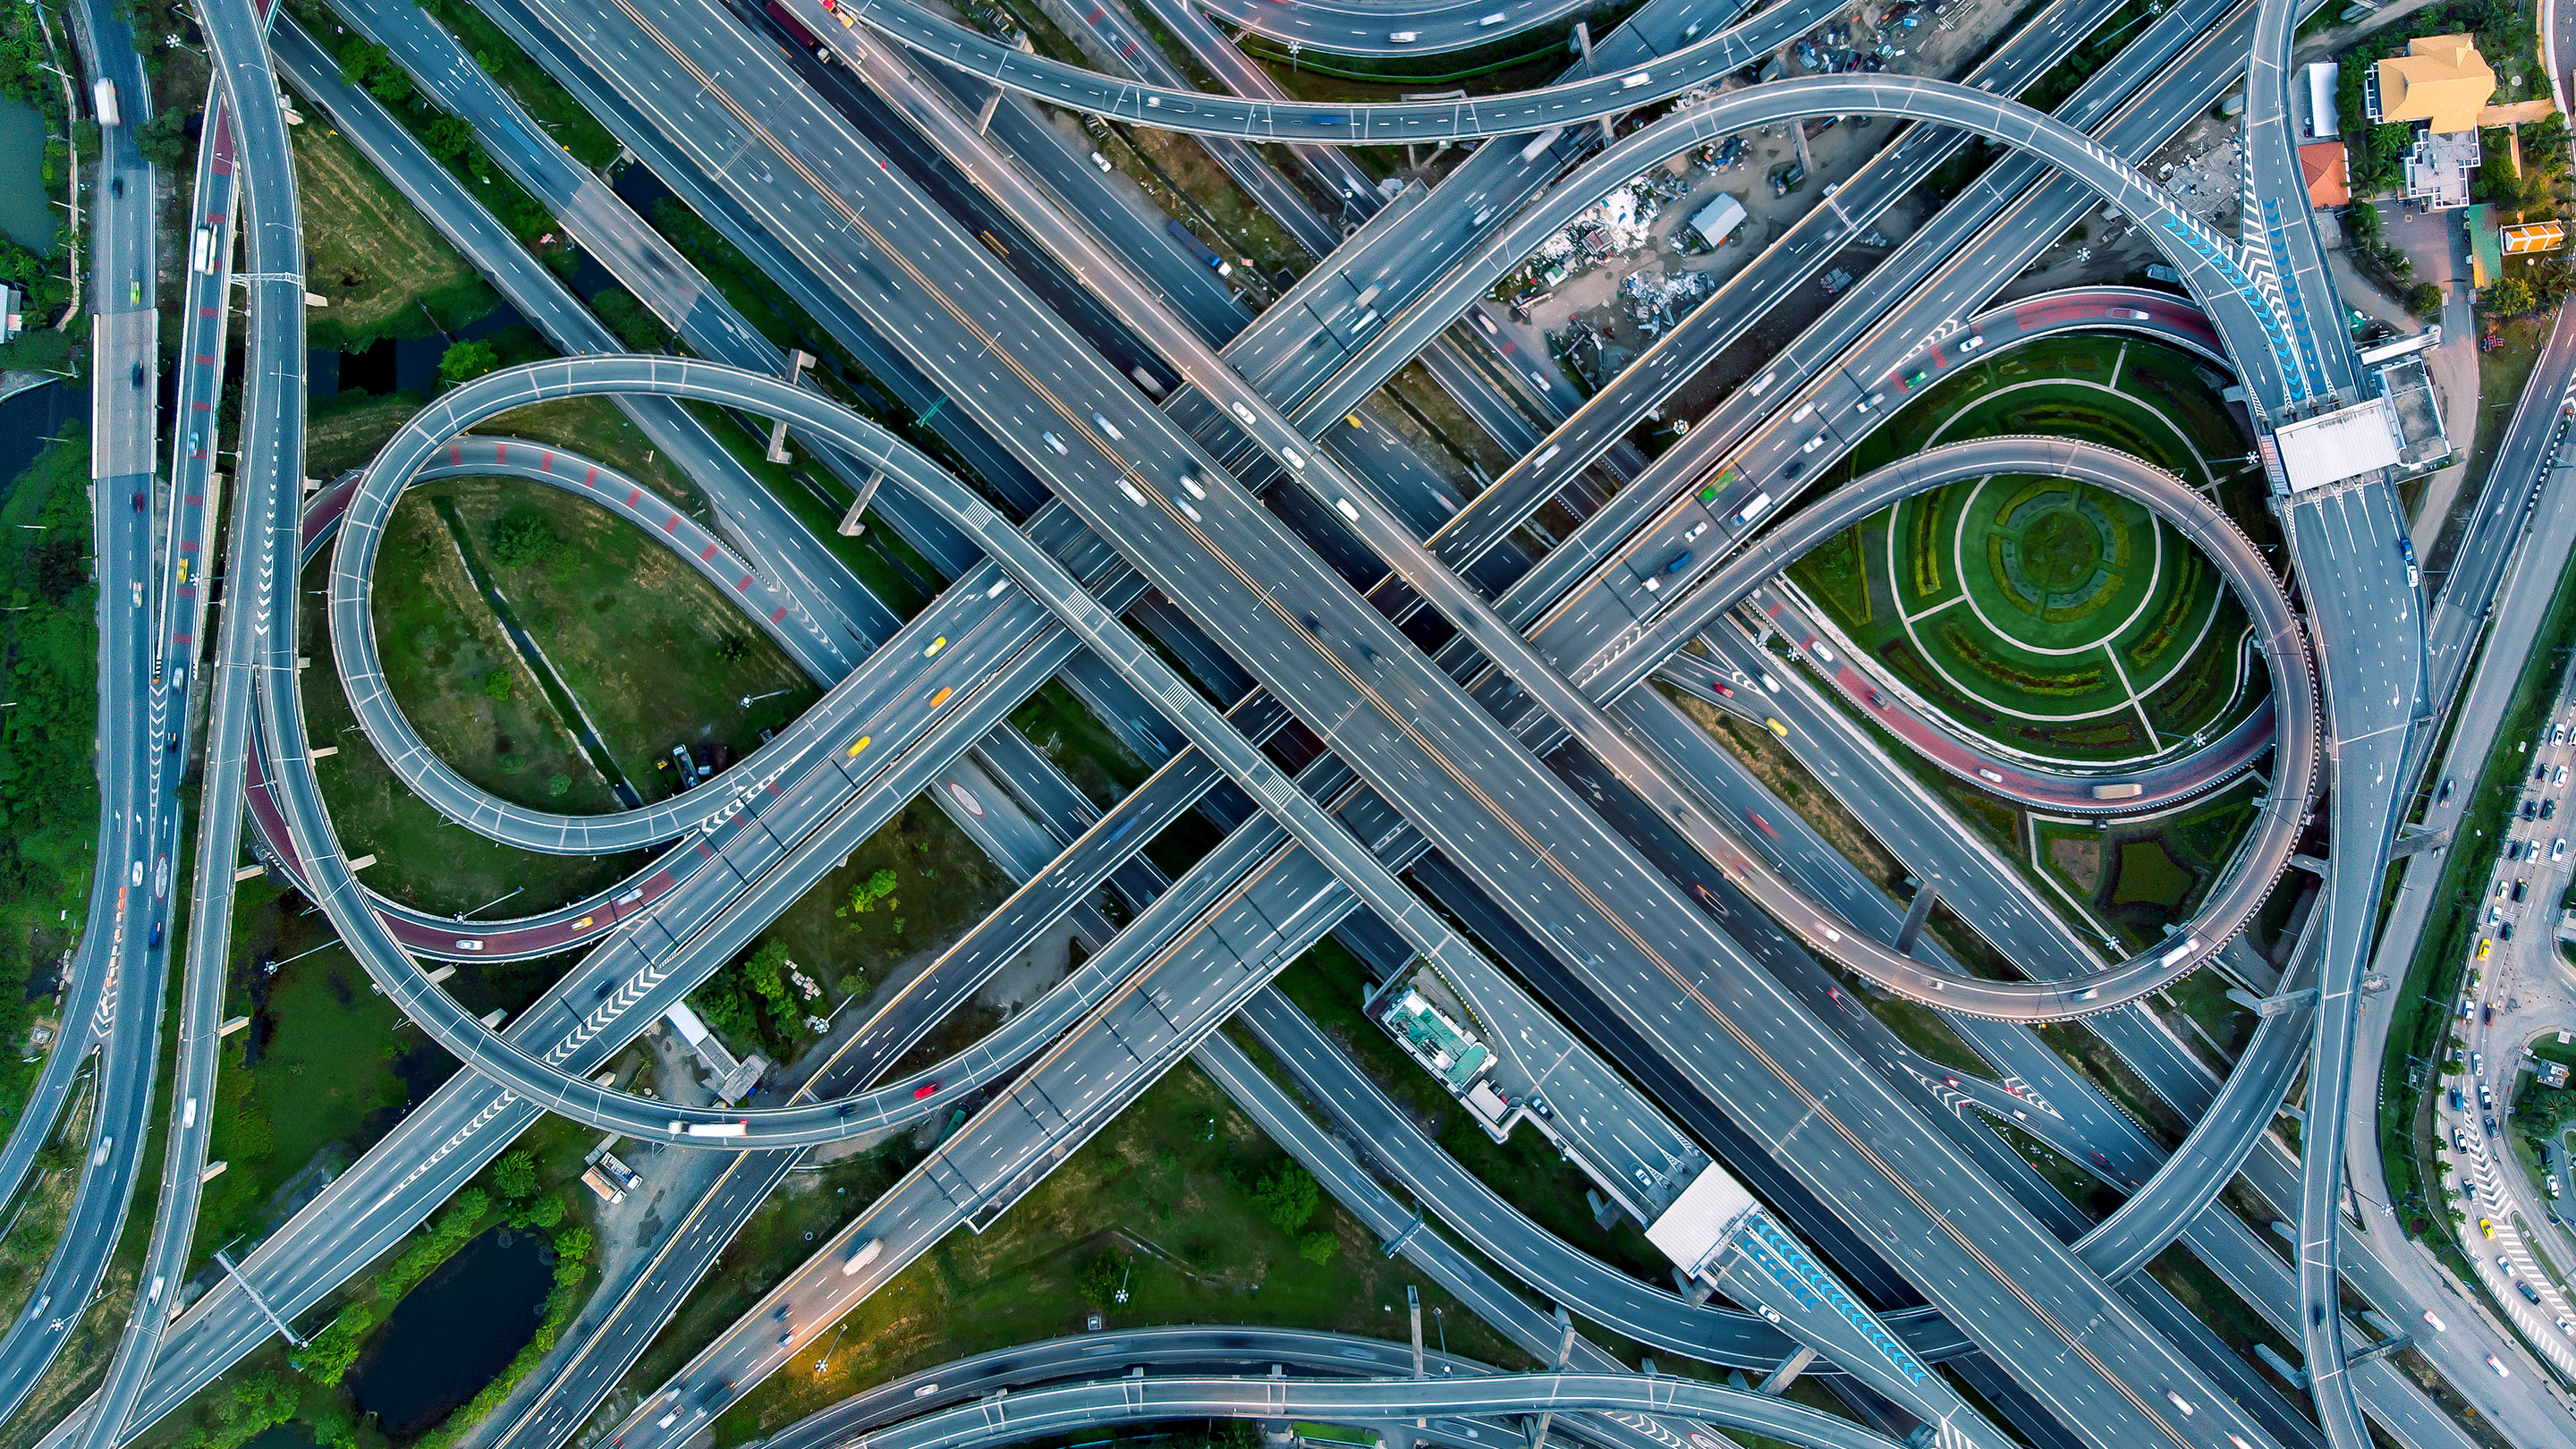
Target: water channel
(26, 203)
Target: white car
(1109, 427)
(2498, 1365)
(2558, 850)
(1054, 442)
(469, 943)
(137, 877)
(2435, 1320)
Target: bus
(104, 94)
(2118, 792)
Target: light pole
(749, 700)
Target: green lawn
(944, 885)
(48, 787)
(379, 264)
(1166, 1197)
(2053, 618)
(653, 652)
(454, 673)
(323, 1071)
(2142, 874)
(1067, 732)
(420, 858)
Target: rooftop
(2441, 80)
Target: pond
(28, 419)
(26, 203)
(450, 1335)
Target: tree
(371, 67)
(1286, 1196)
(164, 139)
(1098, 1283)
(765, 969)
(2509, 297)
(1317, 1248)
(496, 685)
(558, 785)
(516, 1176)
(2424, 299)
(327, 1356)
(627, 317)
(539, 1212)
(466, 361)
(447, 135)
(521, 538)
(865, 895)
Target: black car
(2525, 1290)
(116, 186)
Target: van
(1490, 21)
(1133, 496)
(1343, 506)
(1108, 427)
(1630, 83)
(1403, 37)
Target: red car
(138, 503)
(924, 1090)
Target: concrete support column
(1925, 898)
(1788, 1371)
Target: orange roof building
(2327, 172)
(2441, 80)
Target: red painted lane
(633, 494)
(743, 585)
(778, 613)
(591, 478)
(671, 524)
(708, 552)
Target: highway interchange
(1511, 770)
